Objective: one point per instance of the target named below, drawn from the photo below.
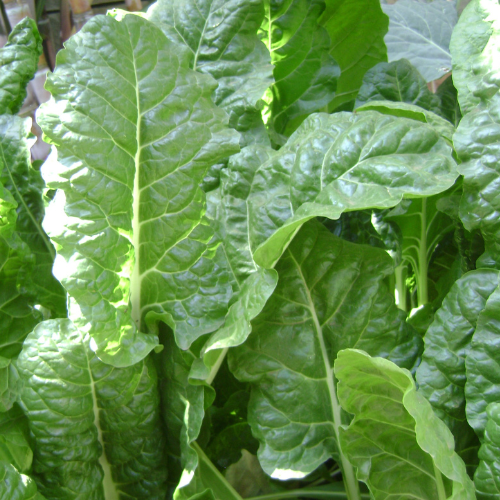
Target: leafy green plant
(231, 237)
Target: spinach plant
(230, 236)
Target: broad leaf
(450, 108)
(304, 72)
(474, 48)
(18, 64)
(17, 486)
(487, 477)
(399, 446)
(10, 384)
(96, 428)
(356, 29)
(397, 81)
(421, 32)
(330, 295)
(482, 364)
(343, 162)
(14, 442)
(133, 237)
(26, 186)
(221, 40)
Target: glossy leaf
(474, 48)
(304, 72)
(26, 186)
(450, 108)
(397, 81)
(357, 29)
(421, 32)
(343, 162)
(330, 295)
(133, 237)
(96, 428)
(18, 64)
(399, 446)
(482, 364)
(17, 486)
(221, 40)
(487, 478)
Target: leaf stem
(422, 290)
(439, 484)
(400, 276)
(312, 492)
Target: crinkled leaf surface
(343, 162)
(421, 32)
(357, 29)
(17, 486)
(18, 64)
(26, 186)
(304, 72)
(441, 375)
(483, 364)
(401, 449)
(330, 295)
(397, 81)
(135, 131)
(96, 427)
(487, 477)
(220, 38)
(474, 48)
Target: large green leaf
(220, 38)
(14, 446)
(343, 162)
(10, 384)
(18, 64)
(450, 108)
(421, 32)
(482, 364)
(304, 72)
(26, 185)
(357, 29)
(397, 81)
(330, 295)
(132, 236)
(17, 486)
(474, 48)
(487, 478)
(96, 428)
(399, 446)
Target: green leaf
(14, 445)
(207, 483)
(397, 81)
(221, 40)
(474, 49)
(18, 64)
(399, 446)
(10, 384)
(449, 106)
(304, 72)
(26, 185)
(132, 236)
(96, 428)
(487, 478)
(330, 295)
(482, 364)
(441, 375)
(357, 29)
(343, 162)
(16, 486)
(421, 32)
(405, 110)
